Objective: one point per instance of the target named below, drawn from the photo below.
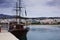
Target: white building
(50, 21)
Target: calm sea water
(44, 32)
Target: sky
(34, 8)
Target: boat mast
(18, 11)
(20, 6)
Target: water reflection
(44, 32)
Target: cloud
(7, 6)
(32, 3)
(7, 11)
(54, 3)
(35, 8)
(43, 11)
(45, 8)
(7, 3)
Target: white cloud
(7, 7)
(36, 8)
(39, 11)
(8, 11)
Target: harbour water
(44, 32)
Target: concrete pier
(7, 36)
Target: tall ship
(17, 28)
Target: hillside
(6, 16)
(9, 16)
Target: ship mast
(18, 11)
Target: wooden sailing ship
(17, 28)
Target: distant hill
(9, 17)
(6, 16)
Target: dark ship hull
(19, 31)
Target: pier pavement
(5, 35)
